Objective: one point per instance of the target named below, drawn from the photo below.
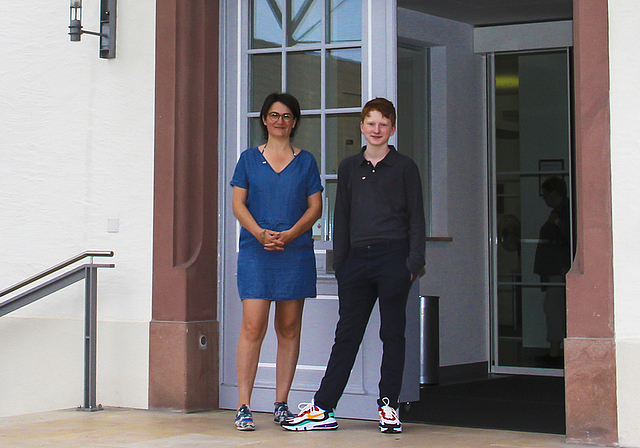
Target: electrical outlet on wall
(113, 225)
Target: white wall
(76, 149)
(624, 48)
(456, 271)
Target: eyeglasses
(275, 116)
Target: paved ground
(131, 428)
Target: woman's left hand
(284, 237)
(269, 240)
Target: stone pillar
(590, 369)
(183, 365)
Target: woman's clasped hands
(272, 240)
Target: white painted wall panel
(76, 149)
(624, 46)
(625, 160)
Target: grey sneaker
(244, 419)
(281, 412)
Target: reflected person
(552, 261)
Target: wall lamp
(107, 26)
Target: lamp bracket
(107, 32)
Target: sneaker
(281, 413)
(311, 417)
(389, 421)
(244, 419)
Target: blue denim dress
(276, 201)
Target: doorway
(508, 392)
(532, 233)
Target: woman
(277, 197)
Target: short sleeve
(240, 174)
(314, 184)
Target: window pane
(266, 23)
(303, 78)
(327, 215)
(304, 22)
(266, 75)
(343, 139)
(255, 132)
(345, 20)
(308, 135)
(344, 83)
(413, 112)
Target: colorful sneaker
(311, 417)
(282, 413)
(244, 419)
(389, 421)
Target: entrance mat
(507, 402)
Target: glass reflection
(330, 201)
(304, 22)
(303, 78)
(509, 219)
(533, 210)
(255, 132)
(552, 261)
(266, 73)
(343, 139)
(413, 115)
(308, 136)
(266, 23)
(345, 20)
(344, 83)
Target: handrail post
(90, 274)
(90, 333)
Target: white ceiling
(494, 12)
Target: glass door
(532, 242)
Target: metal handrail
(52, 269)
(88, 272)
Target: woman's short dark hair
(285, 98)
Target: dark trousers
(369, 273)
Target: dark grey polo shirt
(376, 204)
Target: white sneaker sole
(250, 427)
(390, 429)
(311, 426)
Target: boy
(378, 247)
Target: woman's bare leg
(255, 318)
(288, 325)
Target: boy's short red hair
(382, 105)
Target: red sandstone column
(183, 364)
(590, 370)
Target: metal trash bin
(429, 340)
